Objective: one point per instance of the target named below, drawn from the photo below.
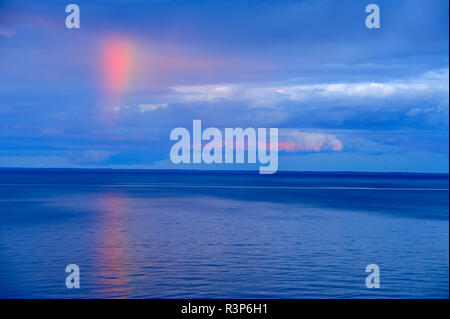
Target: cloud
(296, 141)
(432, 82)
(207, 93)
(151, 107)
(89, 156)
(433, 114)
(142, 108)
(16, 18)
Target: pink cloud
(295, 141)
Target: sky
(344, 97)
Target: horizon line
(181, 170)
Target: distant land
(210, 171)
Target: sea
(211, 234)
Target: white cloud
(141, 107)
(208, 93)
(151, 107)
(271, 95)
(118, 108)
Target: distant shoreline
(207, 171)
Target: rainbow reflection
(114, 264)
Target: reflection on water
(289, 237)
(111, 249)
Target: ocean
(166, 234)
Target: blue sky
(344, 97)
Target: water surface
(223, 235)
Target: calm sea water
(226, 235)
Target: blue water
(223, 235)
